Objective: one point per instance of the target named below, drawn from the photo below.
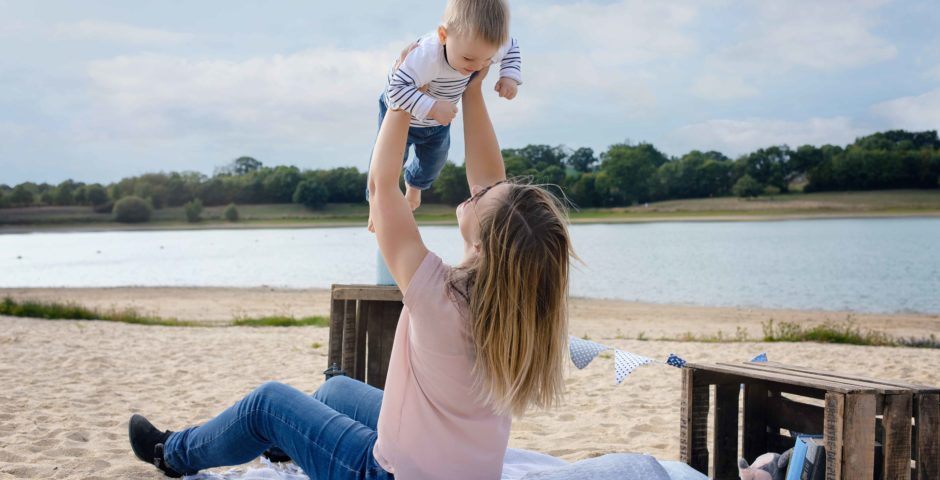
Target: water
(865, 265)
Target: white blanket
(517, 465)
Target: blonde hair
(486, 20)
(517, 291)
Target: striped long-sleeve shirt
(427, 65)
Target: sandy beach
(67, 388)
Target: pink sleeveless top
(430, 425)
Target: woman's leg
(357, 400)
(322, 441)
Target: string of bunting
(584, 351)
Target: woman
(475, 344)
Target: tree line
(625, 174)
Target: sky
(96, 91)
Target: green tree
(245, 165)
(311, 194)
(582, 160)
(193, 210)
(747, 187)
(96, 194)
(240, 166)
(769, 166)
(451, 185)
(281, 183)
(231, 213)
(131, 209)
(629, 170)
(22, 196)
(583, 192)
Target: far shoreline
(86, 227)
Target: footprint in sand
(77, 436)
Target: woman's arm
(394, 222)
(484, 161)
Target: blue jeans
(431, 146)
(330, 434)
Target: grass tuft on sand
(72, 311)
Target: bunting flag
(626, 362)
(760, 358)
(675, 361)
(583, 351)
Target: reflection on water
(874, 265)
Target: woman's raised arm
(483, 160)
(394, 222)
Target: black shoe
(276, 455)
(147, 443)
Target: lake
(865, 265)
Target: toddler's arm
(510, 69)
(402, 92)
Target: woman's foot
(147, 443)
(413, 195)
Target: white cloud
(828, 35)
(724, 87)
(625, 32)
(734, 137)
(318, 95)
(921, 112)
(600, 58)
(120, 33)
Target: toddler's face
(468, 55)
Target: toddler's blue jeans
(431, 145)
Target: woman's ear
(442, 34)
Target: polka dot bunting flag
(626, 362)
(583, 351)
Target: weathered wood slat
(879, 387)
(896, 383)
(336, 333)
(755, 421)
(858, 440)
(896, 442)
(362, 313)
(800, 380)
(366, 292)
(349, 339)
(726, 432)
(693, 423)
(832, 436)
(796, 416)
(927, 431)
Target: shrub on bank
(193, 211)
(231, 213)
(132, 209)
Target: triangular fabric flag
(626, 362)
(760, 358)
(675, 361)
(583, 351)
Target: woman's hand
(404, 54)
(476, 83)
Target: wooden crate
(852, 413)
(363, 319)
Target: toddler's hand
(443, 112)
(506, 87)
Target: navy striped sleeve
(510, 62)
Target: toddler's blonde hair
(485, 20)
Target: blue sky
(100, 90)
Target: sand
(67, 388)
